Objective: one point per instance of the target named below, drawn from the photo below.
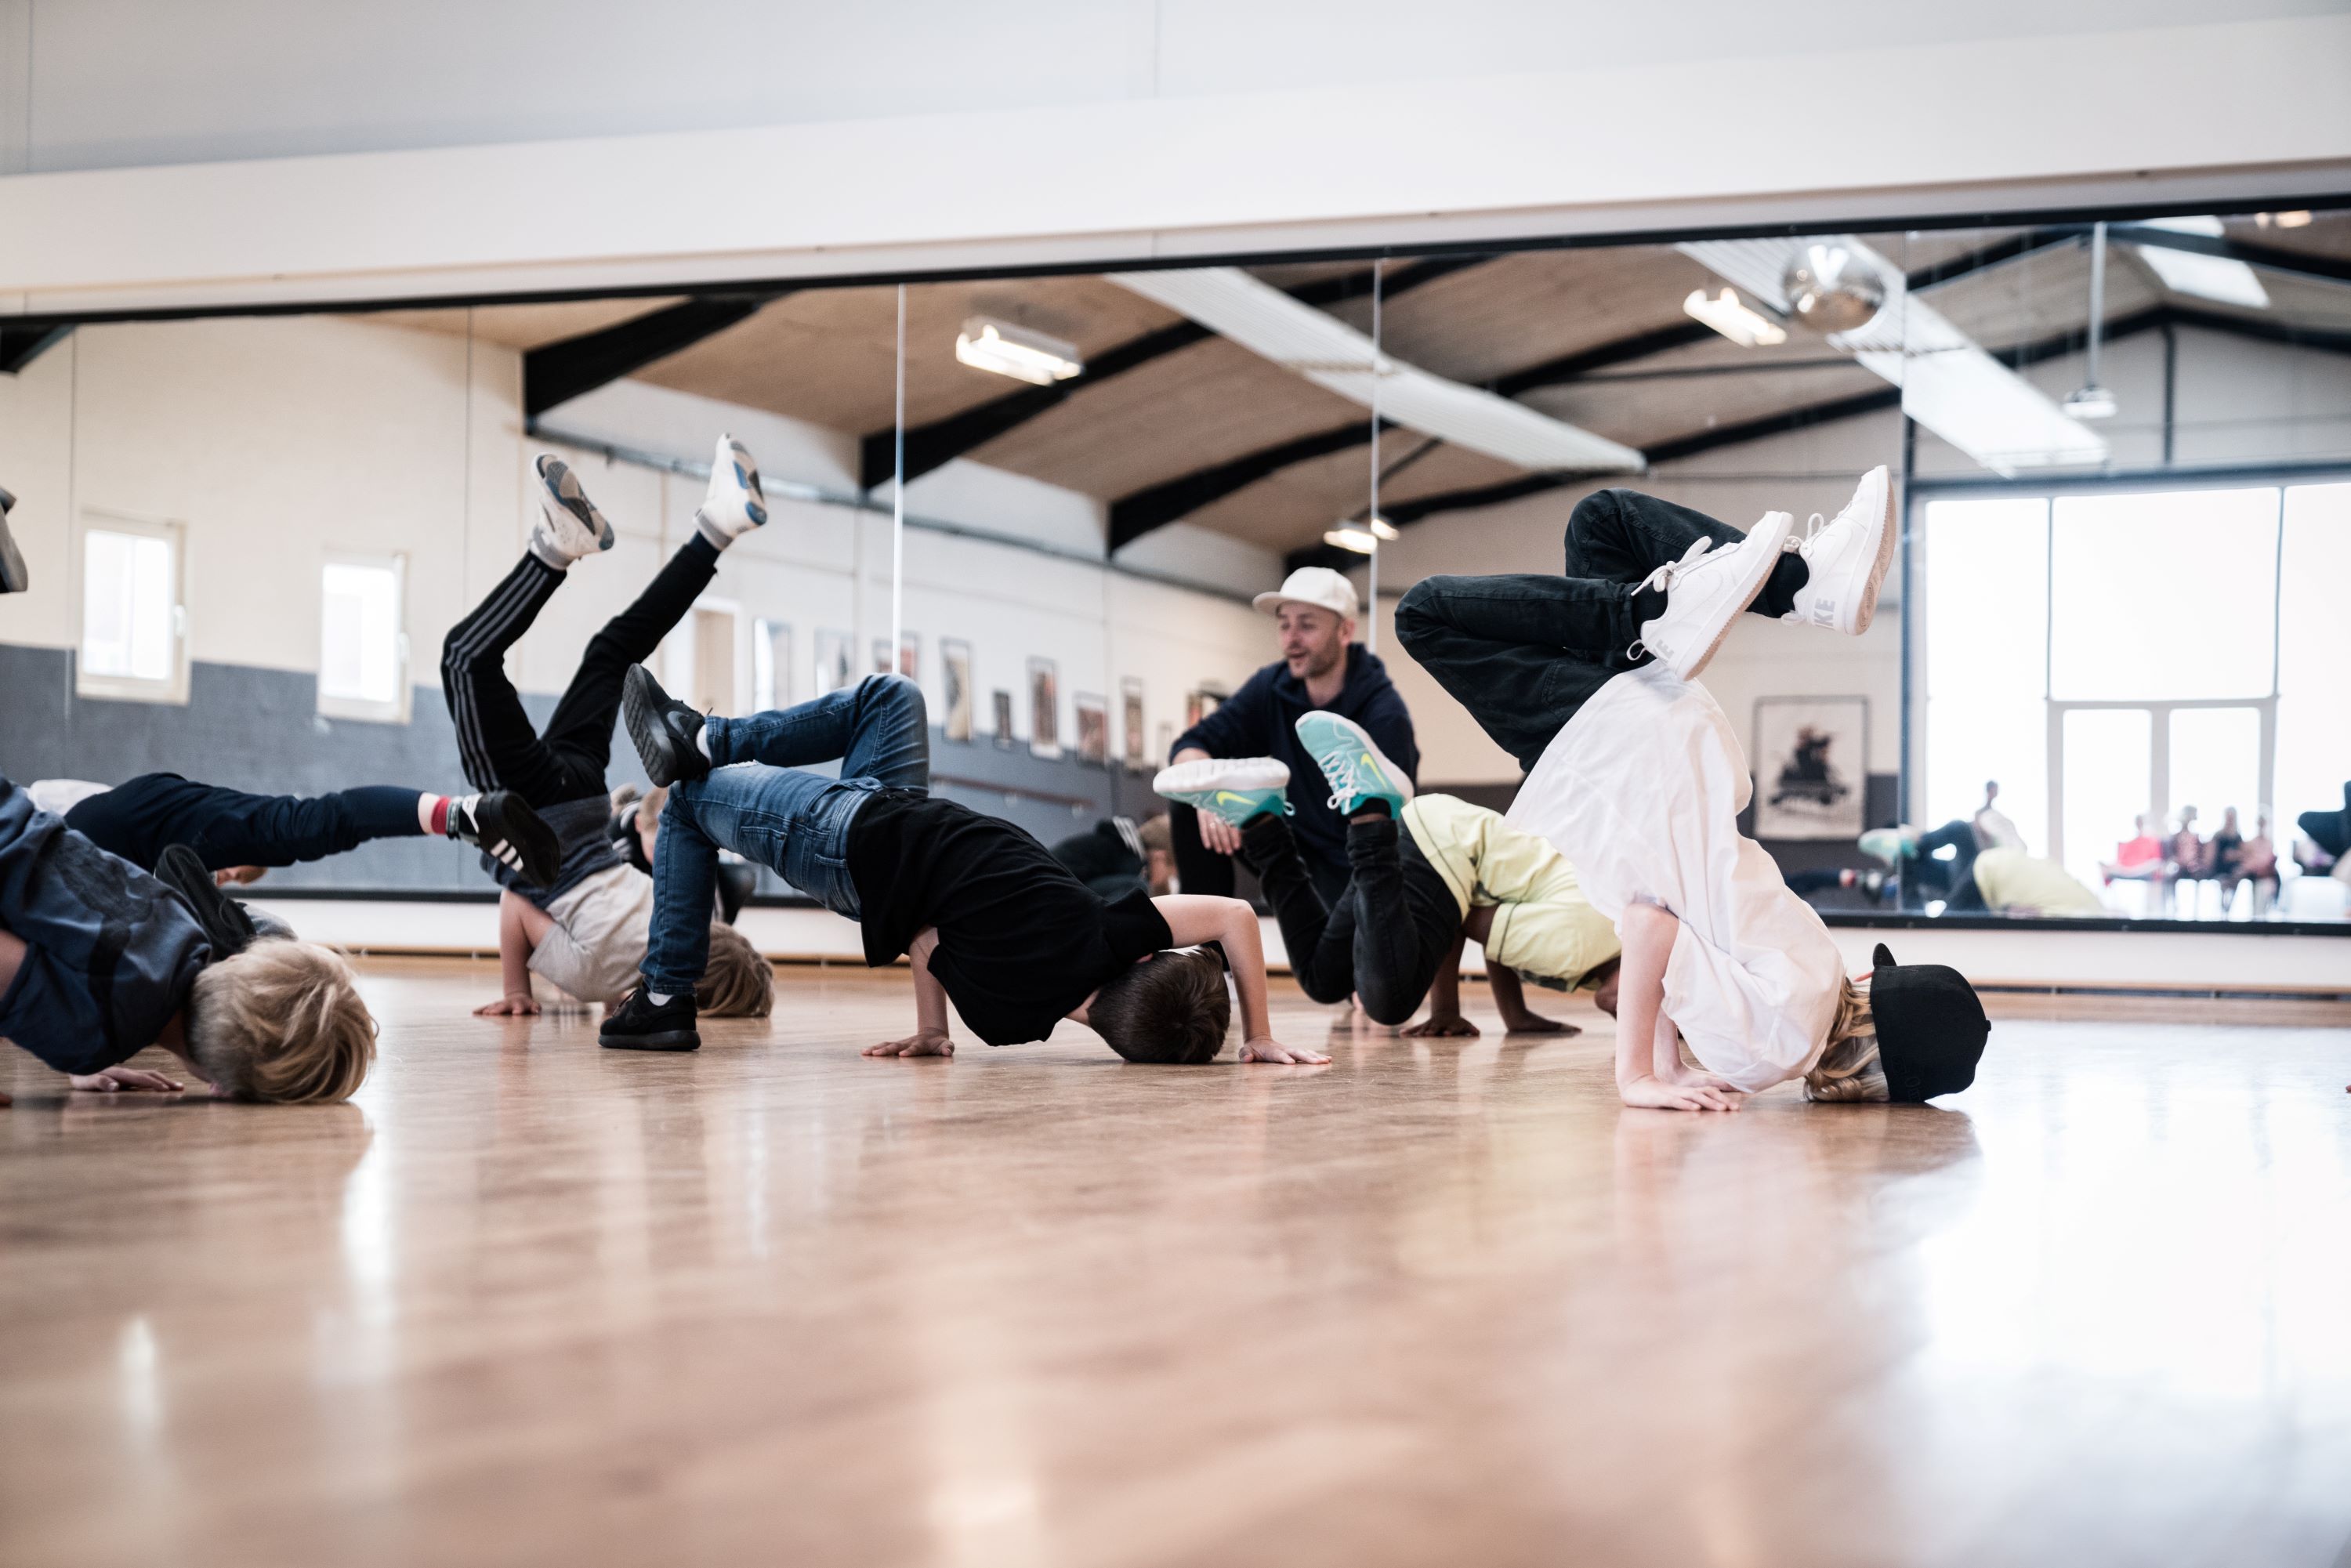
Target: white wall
(277, 440)
(388, 153)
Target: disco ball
(1831, 290)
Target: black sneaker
(664, 729)
(14, 577)
(641, 1026)
(509, 832)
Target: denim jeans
(757, 800)
(1523, 652)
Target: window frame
(171, 690)
(363, 710)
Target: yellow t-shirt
(1543, 925)
(2011, 879)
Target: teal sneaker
(1236, 789)
(1892, 845)
(1353, 765)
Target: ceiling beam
(557, 373)
(941, 441)
(1135, 515)
(20, 346)
(2261, 330)
(1701, 441)
(2293, 263)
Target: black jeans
(496, 742)
(1523, 652)
(140, 818)
(1958, 874)
(1386, 935)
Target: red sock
(441, 815)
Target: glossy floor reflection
(528, 1300)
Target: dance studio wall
(274, 441)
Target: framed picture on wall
(910, 656)
(882, 660)
(771, 664)
(1167, 741)
(1130, 692)
(1093, 729)
(831, 661)
(1811, 759)
(1044, 707)
(1004, 718)
(954, 661)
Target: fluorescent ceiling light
(1354, 538)
(2205, 276)
(1948, 383)
(1734, 320)
(1380, 527)
(2283, 220)
(988, 344)
(1331, 354)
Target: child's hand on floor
(513, 1004)
(1442, 1026)
(109, 1079)
(1654, 1094)
(922, 1043)
(1269, 1049)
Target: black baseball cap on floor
(1930, 1027)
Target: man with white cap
(1321, 668)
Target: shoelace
(1664, 579)
(1349, 781)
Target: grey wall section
(260, 730)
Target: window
(362, 650)
(134, 622)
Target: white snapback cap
(1315, 585)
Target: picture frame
(832, 661)
(772, 664)
(1094, 728)
(1044, 707)
(1004, 735)
(1811, 767)
(1130, 692)
(955, 663)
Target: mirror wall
(251, 536)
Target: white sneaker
(1236, 789)
(1705, 593)
(569, 526)
(1848, 559)
(733, 506)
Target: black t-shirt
(1021, 941)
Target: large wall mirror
(2104, 683)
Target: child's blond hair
(736, 982)
(1849, 1068)
(281, 1021)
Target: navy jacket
(1259, 719)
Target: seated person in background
(989, 919)
(1993, 829)
(2138, 858)
(1424, 871)
(1634, 774)
(2257, 862)
(2189, 857)
(1122, 854)
(2226, 851)
(98, 960)
(237, 835)
(584, 928)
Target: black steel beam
(557, 373)
(2261, 329)
(1135, 515)
(942, 440)
(2294, 263)
(20, 346)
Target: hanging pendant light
(1832, 290)
(2090, 399)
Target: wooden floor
(1440, 1302)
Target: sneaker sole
(656, 747)
(582, 513)
(669, 1040)
(534, 841)
(1877, 568)
(1759, 574)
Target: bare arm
(521, 925)
(1193, 918)
(930, 1036)
(1445, 1019)
(1642, 1032)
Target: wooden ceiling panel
(1202, 405)
(1290, 509)
(828, 355)
(1643, 414)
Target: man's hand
(513, 1005)
(1441, 1026)
(1269, 1049)
(1651, 1093)
(1215, 832)
(922, 1043)
(110, 1080)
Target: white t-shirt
(598, 941)
(1641, 790)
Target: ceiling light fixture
(2090, 399)
(1729, 316)
(2283, 220)
(1352, 538)
(988, 344)
(1831, 290)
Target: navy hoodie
(1260, 719)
